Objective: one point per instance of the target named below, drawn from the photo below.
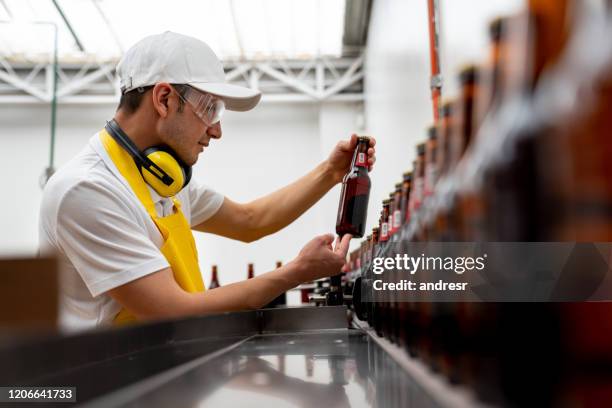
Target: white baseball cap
(180, 59)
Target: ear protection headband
(160, 166)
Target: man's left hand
(340, 158)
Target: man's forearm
(249, 294)
(158, 295)
(280, 208)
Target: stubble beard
(175, 136)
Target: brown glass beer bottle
(418, 184)
(353, 207)
(384, 222)
(214, 280)
(397, 208)
(431, 165)
(406, 184)
(445, 125)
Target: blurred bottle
(551, 22)
(492, 75)
(384, 221)
(369, 290)
(406, 186)
(214, 280)
(464, 128)
(418, 181)
(391, 212)
(397, 208)
(250, 271)
(534, 42)
(353, 207)
(431, 160)
(581, 144)
(305, 293)
(445, 125)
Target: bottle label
(430, 179)
(418, 192)
(397, 222)
(361, 160)
(384, 233)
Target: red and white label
(397, 222)
(430, 178)
(384, 233)
(361, 160)
(417, 193)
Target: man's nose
(214, 131)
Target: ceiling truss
(318, 80)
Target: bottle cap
(496, 29)
(447, 108)
(421, 149)
(468, 74)
(432, 132)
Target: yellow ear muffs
(169, 164)
(159, 165)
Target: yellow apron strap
(128, 169)
(179, 246)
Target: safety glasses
(207, 107)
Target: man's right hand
(318, 259)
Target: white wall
(24, 142)
(260, 151)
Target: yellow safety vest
(179, 246)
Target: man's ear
(161, 94)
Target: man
(119, 215)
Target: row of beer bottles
(554, 184)
(558, 183)
(563, 160)
(522, 169)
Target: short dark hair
(130, 101)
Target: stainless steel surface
(99, 362)
(303, 318)
(434, 384)
(333, 368)
(288, 357)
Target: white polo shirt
(102, 234)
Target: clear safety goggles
(207, 107)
